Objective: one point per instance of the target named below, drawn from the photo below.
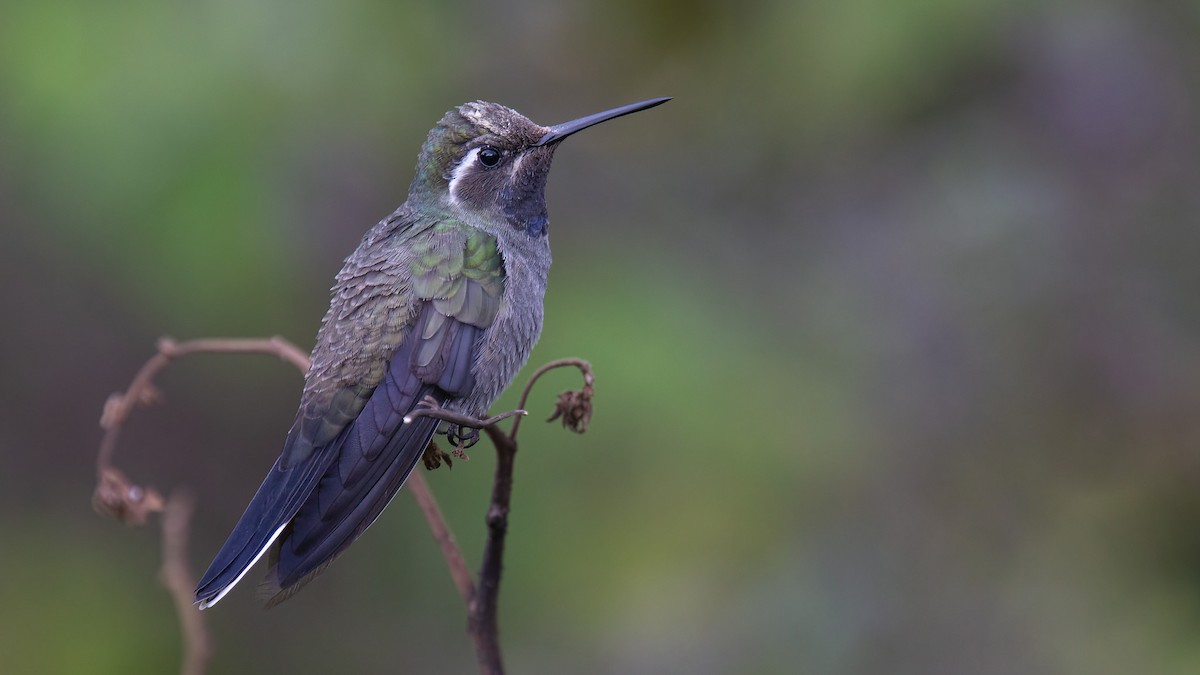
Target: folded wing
(349, 451)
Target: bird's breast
(505, 346)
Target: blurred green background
(893, 311)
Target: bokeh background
(893, 310)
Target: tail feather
(211, 593)
(268, 514)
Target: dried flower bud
(434, 456)
(575, 409)
(131, 504)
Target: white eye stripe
(461, 170)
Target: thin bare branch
(435, 410)
(459, 572)
(482, 611)
(175, 575)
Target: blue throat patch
(537, 226)
(528, 214)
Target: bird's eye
(488, 157)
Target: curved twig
(141, 390)
(584, 367)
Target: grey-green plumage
(441, 299)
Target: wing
(405, 323)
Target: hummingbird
(440, 305)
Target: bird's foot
(462, 437)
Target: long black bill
(561, 131)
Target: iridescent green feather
(460, 269)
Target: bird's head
(487, 159)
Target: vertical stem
(197, 647)
(482, 611)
